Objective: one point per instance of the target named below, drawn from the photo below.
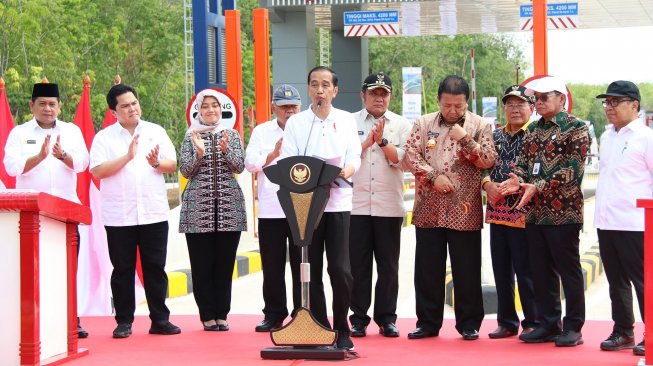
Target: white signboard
(412, 93)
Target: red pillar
(234, 63)
(647, 204)
(540, 50)
(262, 64)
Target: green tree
(495, 59)
(64, 39)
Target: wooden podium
(38, 263)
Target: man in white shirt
(625, 175)
(45, 154)
(130, 157)
(328, 133)
(378, 208)
(264, 148)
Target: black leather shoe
(539, 335)
(344, 342)
(470, 334)
(389, 330)
(164, 328)
(639, 349)
(123, 330)
(358, 330)
(420, 333)
(502, 332)
(267, 325)
(81, 332)
(569, 338)
(617, 341)
(527, 330)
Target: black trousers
(430, 270)
(152, 243)
(509, 249)
(274, 239)
(212, 258)
(622, 253)
(374, 238)
(332, 236)
(554, 259)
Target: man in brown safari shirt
(448, 151)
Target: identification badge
(430, 143)
(536, 169)
(361, 133)
(31, 142)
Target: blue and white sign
(552, 10)
(558, 16)
(371, 17)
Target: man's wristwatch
(156, 165)
(383, 142)
(63, 156)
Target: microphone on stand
(319, 104)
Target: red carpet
(242, 346)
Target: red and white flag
(94, 267)
(6, 124)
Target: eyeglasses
(515, 105)
(545, 97)
(614, 102)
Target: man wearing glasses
(448, 151)
(508, 244)
(550, 169)
(378, 208)
(626, 174)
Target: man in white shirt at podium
(45, 154)
(328, 133)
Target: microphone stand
(305, 265)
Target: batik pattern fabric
(431, 152)
(553, 159)
(508, 148)
(212, 200)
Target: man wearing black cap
(550, 168)
(264, 148)
(626, 174)
(44, 153)
(378, 208)
(507, 236)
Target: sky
(597, 56)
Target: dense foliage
(143, 42)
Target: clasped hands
(152, 157)
(511, 186)
(57, 150)
(376, 133)
(198, 142)
(440, 184)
